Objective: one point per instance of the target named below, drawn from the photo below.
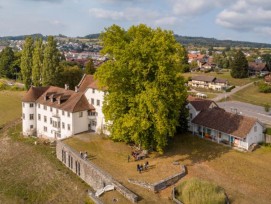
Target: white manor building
(57, 113)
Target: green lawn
(246, 177)
(252, 95)
(10, 105)
(223, 75)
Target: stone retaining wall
(160, 185)
(89, 172)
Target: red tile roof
(63, 99)
(257, 66)
(229, 123)
(85, 82)
(34, 93)
(88, 81)
(200, 104)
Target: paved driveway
(247, 110)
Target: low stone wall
(89, 172)
(160, 185)
(174, 196)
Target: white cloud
(170, 20)
(106, 14)
(128, 14)
(189, 7)
(246, 15)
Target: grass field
(10, 105)
(252, 95)
(223, 75)
(246, 177)
(31, 173)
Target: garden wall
(89, 172)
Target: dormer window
(93, 90)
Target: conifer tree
(51, 68)
(89, 68)
(239, 65)
(37, 62)
(26, 62)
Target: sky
(243, 20)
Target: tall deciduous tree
(239, 65)
(70, 75)
(145, 88)
(51, 68)
(26, 62)
(89, 67)
(37, 62)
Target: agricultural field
(10, 106)
(246, 177)
(31, 173)
(252, 95)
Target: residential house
(209, 121)
(54, 112)
(57, 113)
(208, 82)
(255, 68)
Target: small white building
(209, 121)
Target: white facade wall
(52, 126)
(29, 124)
(255, 135)
(192, 114)
(96, 98)
(80, 121)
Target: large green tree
(6, 63)
(26, 62)
(70, 75)
(37, 62)
(146, 91)
(239, 65)
(51, 69)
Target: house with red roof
(56, 113)
(211, 122)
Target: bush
(264, 88)
(3, 86)
(198, 191)
(230, 88)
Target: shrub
(3, 86)
(198, 191)
(264, 88)
(230, 88)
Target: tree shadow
(194, 149)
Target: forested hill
(208, 42)
(212, 42)
(22, 37)
(185, 40)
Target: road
(247, 110)
(221, 96)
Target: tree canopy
(145, 89)
(26, 62)
(51, 68)
(239, 65)
(6, 62)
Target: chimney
(66, 87)
(76, 89)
